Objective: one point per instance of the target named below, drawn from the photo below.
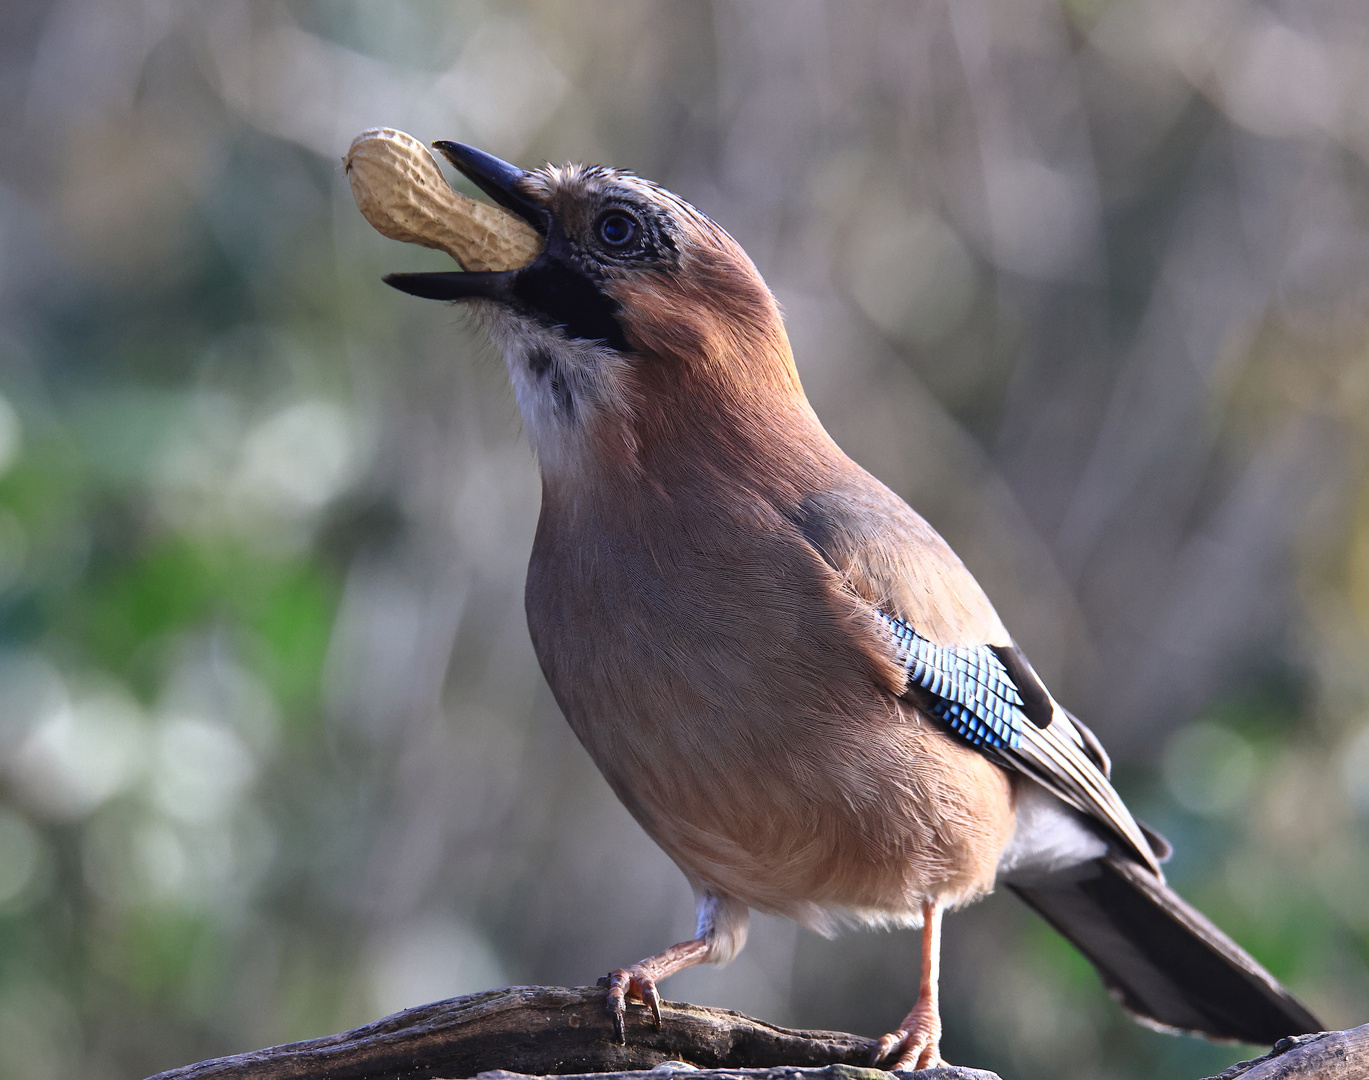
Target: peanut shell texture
(403, 194)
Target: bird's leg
(918, 1039)
(721, 933)
(639, 981)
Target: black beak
(454, 285)
(498, 179)
(502, 182)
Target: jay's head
(639, 322)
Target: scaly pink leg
(918, 1039)
(639, 981)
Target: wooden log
(1328, 1055)
(536, 1031)
(540, 1030)
(680, 1071)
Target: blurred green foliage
(281, 612)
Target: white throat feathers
(571, 392)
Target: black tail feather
(1161, 958)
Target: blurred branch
(1329, 1055)
(538, 1030)
(527, 1031)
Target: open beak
(400, 190)
(503, 183)
(513, 252)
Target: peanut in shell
(403, 194)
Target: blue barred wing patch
(973, 693)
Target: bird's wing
(973, 692)
(960, 664)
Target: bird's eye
(618, 229)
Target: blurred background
(1086, 282)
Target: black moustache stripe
(562, 296)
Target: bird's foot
(916, 1044)
(636, 983)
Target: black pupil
(617, 229)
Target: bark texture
(535, 1031)
(1329, 1055)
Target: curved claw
(917, 1043)
(635, 982)
(885, 1047)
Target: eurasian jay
(784, 673)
